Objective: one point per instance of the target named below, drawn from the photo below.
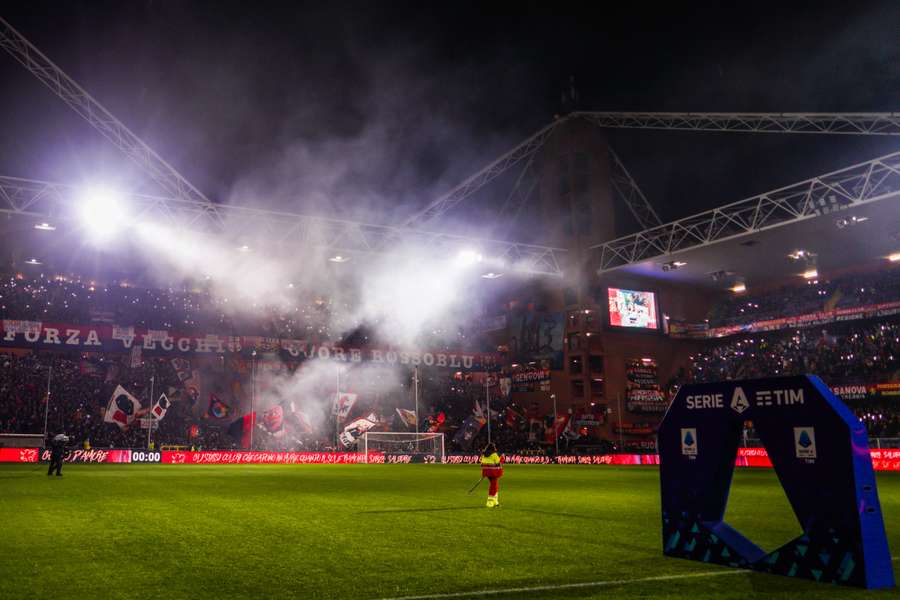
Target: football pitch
(375, 531)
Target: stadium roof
(761, 258)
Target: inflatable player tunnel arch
(820, 453)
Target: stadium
(526, 379)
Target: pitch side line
(574, 586)
(566, 586)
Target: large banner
(532, 380)
(275, 458)
(823, 317)
(642, 393)
(537, 336)
(117, 338)
(883, 460)
(685, 329)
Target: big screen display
(632, 308)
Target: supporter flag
(436, 422)
(513, 417)
(570, 432)
(159, 409)
(242, 427)
(470, 428)
(217, 408)
(273, 419)
(554, 430)
(481, 411)
(182, 368)
(355, 429)
(194, 431)
(300, 419)
(122, 408)
(342, 405)
(407, 416)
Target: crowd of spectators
(80, 389)
(880, 415)
(81, 384)
(844, 353)
(815, 295)
(196, 309)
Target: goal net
(424, 447)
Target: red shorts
(491, 472)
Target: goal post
(428, 446)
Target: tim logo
(739, 401)
(689, 441)
(779, 397)
(805, 442)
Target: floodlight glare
(895, 257)
(739, 288)
(33, 261)
(468, 257)
(338, 259)
(810, 274)
(45, 227)
(102, 212)
(492, 275)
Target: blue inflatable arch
(820, 452)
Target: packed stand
(846, 354)
(842, 354)
(309, 316)
(842, 292)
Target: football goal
(428, 447)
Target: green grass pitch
(373, 531)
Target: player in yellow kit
(492, 468)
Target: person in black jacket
(57, 451)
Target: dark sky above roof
(372, 109)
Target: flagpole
(150, 417)
(619, 407)
(555, 416)
(252, 394)
(416, 396)
(47, 404)
(337, 399)
(487, 397)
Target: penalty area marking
(575, 586)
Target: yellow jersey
(490, 460)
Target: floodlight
(492, 275)
(468, 257)
(102, 212)
(810, 273)
(895, 257)
(33, 261)
(339, 259)
(739, 288)
(43, 226)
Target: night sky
(370, 110)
